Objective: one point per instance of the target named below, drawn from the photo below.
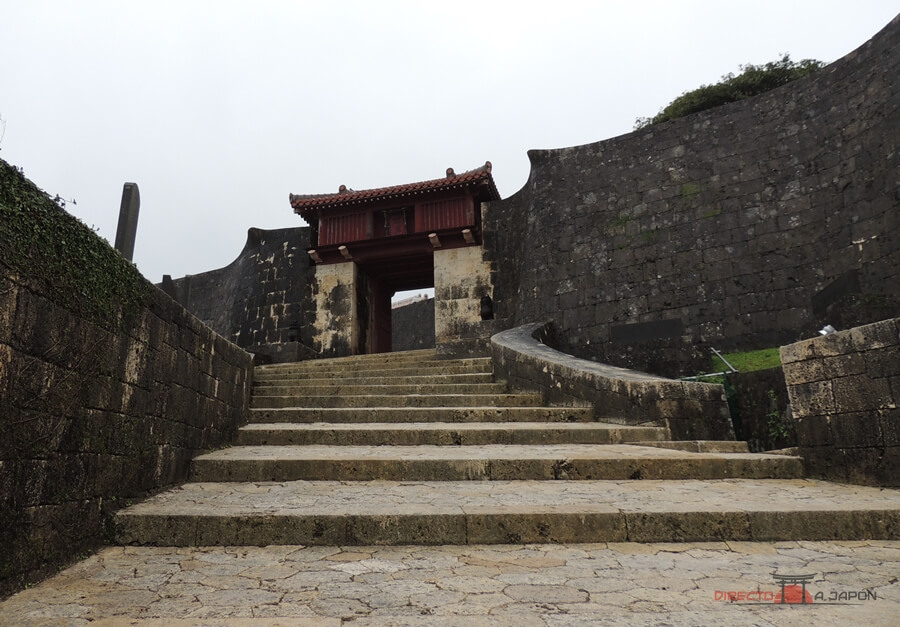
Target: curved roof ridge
(347, 196)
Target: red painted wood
(346, 228)
(444, 214)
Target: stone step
(700, 446)
(389, 400)
(497, 462)
(421, 414)
(509, 512)
(442, 433)
(260, 385)
(385, 388)
(424, 354)
(437, 366)
(410, 371)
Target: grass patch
(749, 361)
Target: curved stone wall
(255, 299)
(738, 227)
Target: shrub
(753, 80)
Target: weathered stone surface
(446, 512)
(844, 400)
(689, 410)
(537, 584)
(96, 416)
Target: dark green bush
(753, 80)
(43, 246)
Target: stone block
(513, 526)
(812, 399)
(801, 372)
(843, 365)
(890, 426)
(823, 525)
(814, 431)
(860, 393)
(824, 462)
(701, 526)
(883, 362)
(865, 466)
(859, 429)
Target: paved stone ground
(589, 584)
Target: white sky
(220, 109)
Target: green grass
(749, 361)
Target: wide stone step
(699, 446)
(300, 391)
(443, 434)
(421, 414)
(410, 371)
(262, 384)
(436, 367)
(423, 354)
(509, 512)
(489, 462)
(408, 400)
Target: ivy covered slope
(51, 251)
(753, 80)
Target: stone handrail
(691, 411)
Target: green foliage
(43, 246)
(750, 361)
(753, 80)
(778, 429)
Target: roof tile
(347, 196)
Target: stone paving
(853, 583)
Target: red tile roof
(344, 197)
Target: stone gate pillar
(337, 325)
(462, 278)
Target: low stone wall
(760, 410)
(691, 411)
(844, 390)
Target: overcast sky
(220, 109)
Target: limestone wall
(738, 227)
(105, 394)
(845, 396)
(254, 300)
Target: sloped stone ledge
(522, 357)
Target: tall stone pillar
(126, 232)
(337, 324)
(462, 280)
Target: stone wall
(256, 299)
(412, 326)
(845, 396)
(106, 389)
(760, 410)
(524, 358)
(738, 227)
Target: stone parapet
(690, 410)
(843, 390)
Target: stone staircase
(406, 448)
